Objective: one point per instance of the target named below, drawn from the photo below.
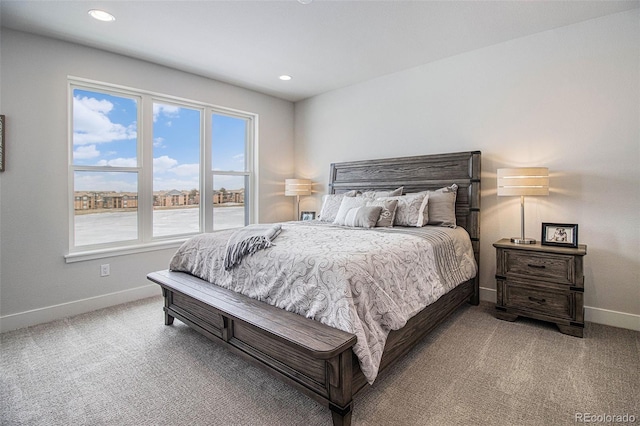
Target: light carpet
(123, 366)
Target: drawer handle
(535, 299)
(531, 265)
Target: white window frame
(249, 173)
(146, 241)
(149, 171)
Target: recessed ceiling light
(101, 15)
(285, 77)
(304, 1)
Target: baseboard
(591, 314)
(63, 310)
(612, 318)
(488, 294)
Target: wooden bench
(313, 357)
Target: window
(147, 168)
(176, 170)
(230, 170)
(105, 167)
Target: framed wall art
(559, 234)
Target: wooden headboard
(424, 172)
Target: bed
(316, 358)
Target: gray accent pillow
(347, 204)
(412, 209)
(376, 194)
(388, 212)
(331, 205)
(442, 206)
(362, 217)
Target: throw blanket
(363, 281)
(249, 240)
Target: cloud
(162, 184)
(92, 125)
(186, 170)
(165, 110)
(166, 164)
(228, 182)
(118, 162)
(120, 182)
(168, 174)
(85, 152)
(159, 142)
(163, 164)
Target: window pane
(105, 129)
(228, 202)
(176, 170)
(228, 143)
(105, 207)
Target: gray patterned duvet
(364, 281)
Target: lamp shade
(523, 181)
(297, 187)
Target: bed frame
(315, 358)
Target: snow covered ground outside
(108, 227)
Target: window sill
(82, 256)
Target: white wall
(568, 99)
(36, 284)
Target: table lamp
(523, 181)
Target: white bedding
(363, 281)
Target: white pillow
(331, 204)
(362, 217)
(347, 204)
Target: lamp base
(520, 240)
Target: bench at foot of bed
(313, 357)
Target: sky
(105, 132)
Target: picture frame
(559, 234)
(307, 215)
(2, 153)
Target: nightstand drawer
(553, 267)
(528, 297)
(541, 282)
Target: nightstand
(541, 282)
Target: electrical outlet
(105, 270)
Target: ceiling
(324, 45)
